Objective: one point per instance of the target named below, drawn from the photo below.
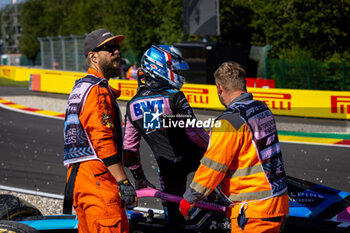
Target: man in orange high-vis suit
(97, 185)
(243, 158)
(132, 72)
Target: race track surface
(31, 150)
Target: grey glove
(127, 193)
(140, 179)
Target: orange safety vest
(245, 160)
(132, 73)
(93, 121)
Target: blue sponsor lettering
(148, 106)
(137, 109)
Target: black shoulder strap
(69, 190)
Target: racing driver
(177, 150)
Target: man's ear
(219, 88)
(92, 57)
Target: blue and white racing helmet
(164, 63)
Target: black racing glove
(140, 179)
(127, 193)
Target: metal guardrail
(313, 75)
(63, 53)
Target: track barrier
(287, 102)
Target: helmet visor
(180, 65)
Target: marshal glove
(185, 207)
(127, 193)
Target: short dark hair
(231, 76)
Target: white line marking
(315, 143)
(31, 192)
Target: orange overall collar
(98, 74)
(95, 72)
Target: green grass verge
(315, 135)
(4, 82)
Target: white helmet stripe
(170, 72)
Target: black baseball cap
(99, 37)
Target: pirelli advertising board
(288, 102)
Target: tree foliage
(235, 21)
(317, 28)
(143, 22)
(40, 18)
